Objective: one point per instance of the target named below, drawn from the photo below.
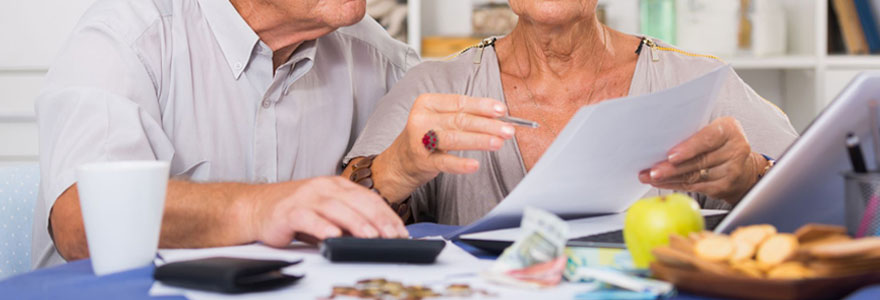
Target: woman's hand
(717, 161)
(460, 123)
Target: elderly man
(250, 101)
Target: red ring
(429, 140)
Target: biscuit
(813, 232)
(742, 250)
(754, 234)
(777, 249)
(714, 248)
(789, 270)
(681, 243)
(748, 267)
(853, 248)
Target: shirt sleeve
(766, 126)
(99, 103)
(390, 116)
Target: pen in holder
(862, 200)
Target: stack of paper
(592, 167)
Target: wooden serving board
(741, 287)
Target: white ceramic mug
(122, 204)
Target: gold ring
(704, 174)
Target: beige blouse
(462, 199)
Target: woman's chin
(556, 12)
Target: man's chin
(350, 12)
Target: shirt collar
(233, 34)
(301, 62)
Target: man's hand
(716, 161)
(316, 209)
(199, 215)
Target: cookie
(714, 248)
(813, 232)
(681, 243)
(754, 234)
(845, 249)
(790, 270)
(777, 249)
(742, 250)
(748, 267)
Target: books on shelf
(853, 26)
(869, 24)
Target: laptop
(805, 185)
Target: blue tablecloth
(75, 280)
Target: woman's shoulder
(662, 66)
(454, 74)
(683, 58)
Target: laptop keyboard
(616, 237)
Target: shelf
(772, 62)
(853, 61)
(17, 116)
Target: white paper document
(577, 227)
(454, 265)
(320, 274)
(592, 167)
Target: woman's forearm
(389, 177)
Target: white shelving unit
(802, 82)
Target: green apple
(650, 221)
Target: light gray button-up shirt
(188, 81)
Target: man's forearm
(205, 215)
(196, 215)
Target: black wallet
(226, 274)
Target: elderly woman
(557, 59)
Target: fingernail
(389, 231)
(332, 232)
(369, 232)
(508, 131)
(499, 108)
(655, 174)
(473, 165)
(672, 157)
(495, 143)
(403, 232)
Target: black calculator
(349, 249)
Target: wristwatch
(770, 163)
(362, 174)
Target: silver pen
(520, 122)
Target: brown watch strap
(362, 174)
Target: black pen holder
(862, 200)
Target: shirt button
(266, 103)
(237, 66)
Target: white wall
(32, 32)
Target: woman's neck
(557, 51)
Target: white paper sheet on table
(320, 274)
(592, 167)
(577, 227)
(454, 265)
